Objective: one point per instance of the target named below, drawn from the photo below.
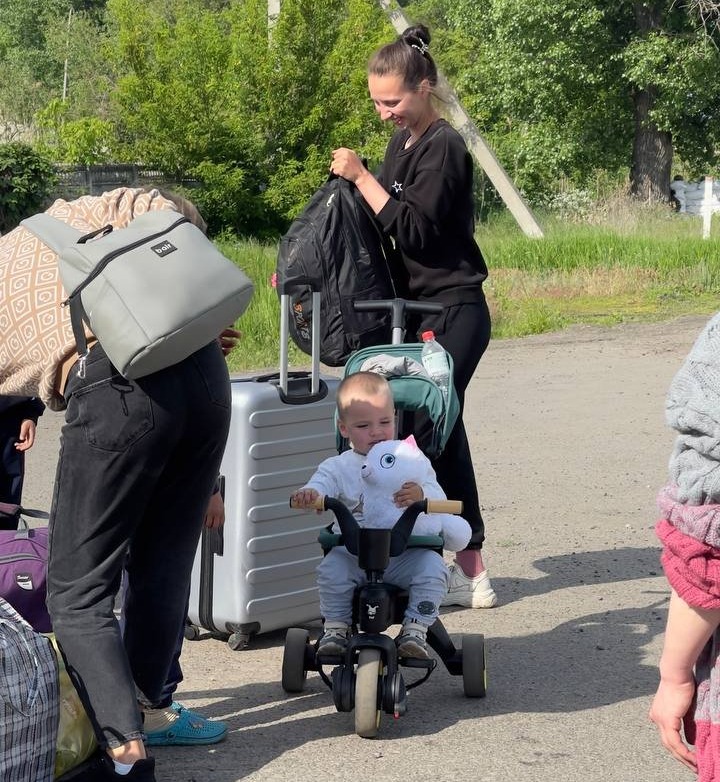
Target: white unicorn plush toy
(390, 464)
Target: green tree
(26, 180)
(302, 89)
(564, 89)
(50, 50)
(207, 90)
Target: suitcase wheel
(191, 631)
(238, 641)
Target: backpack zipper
(105, 260)
(8, 559)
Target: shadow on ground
(589, 661)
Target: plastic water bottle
(434, 359)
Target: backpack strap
(58, 235)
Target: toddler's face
(368, 421)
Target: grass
(619, 263)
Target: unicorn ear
(410, 440)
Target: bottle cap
(426, 335)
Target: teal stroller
(367, 678)
(401, 363)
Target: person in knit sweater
(686, 706)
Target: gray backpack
(29, 701)
(152, 293)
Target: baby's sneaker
(412, 641)
(334, 640)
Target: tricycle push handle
(398, 308)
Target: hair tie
(423, 48)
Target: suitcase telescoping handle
(285, 333)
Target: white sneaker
(469, 592)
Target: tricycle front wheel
(367, 679)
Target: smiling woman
(422, 198)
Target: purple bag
(23, 574)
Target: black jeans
(464, 331)
(138, 460)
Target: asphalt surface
(570, 448)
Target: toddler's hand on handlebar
(305, 499)
(408, 493)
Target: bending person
(137, 465)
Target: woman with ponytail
(422, 197)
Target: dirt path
(570, 447)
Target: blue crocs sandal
(188, 729)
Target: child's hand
(672, 712)
(304, 498)
(26, 438)
(409, 492)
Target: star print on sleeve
(396, 187)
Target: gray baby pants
(421, 571)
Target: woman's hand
(26, 438)
(215, 513)
(229, 340)
(347, 164)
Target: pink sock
(471, 562)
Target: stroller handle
(318, 504)
(398, 308)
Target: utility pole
(67, 54)
(272, 15)
(476, 143)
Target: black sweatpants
(464, 331)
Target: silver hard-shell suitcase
(257, 573)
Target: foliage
(552, 85)
(26, 180)
(51, 50)
(632, 263)
(84, 141)
(204, 89)
(303, 90)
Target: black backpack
(336, 247)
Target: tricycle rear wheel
(293, 664)
(474, 669)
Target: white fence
(697, 198)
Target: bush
(26, 182)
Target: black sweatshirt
(19, 408)
(430, 215)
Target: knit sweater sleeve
(691, 566)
